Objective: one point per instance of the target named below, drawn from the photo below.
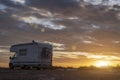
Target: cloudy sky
(81, 32)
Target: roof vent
(33, 41)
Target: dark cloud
(75, 31)
(53, 3)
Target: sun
(102, 63)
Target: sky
(81, 33)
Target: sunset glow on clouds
(77, 57)
(57, 46)
(87, 55)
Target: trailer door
(46, 53)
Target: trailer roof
(33, 43)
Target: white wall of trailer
(33, 56)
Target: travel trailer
(34, 54)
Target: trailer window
(46, 52)
(23, 52)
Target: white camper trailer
(31, 55)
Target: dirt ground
(59, 74)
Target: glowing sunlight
(102, 63)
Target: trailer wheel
(11, 66)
